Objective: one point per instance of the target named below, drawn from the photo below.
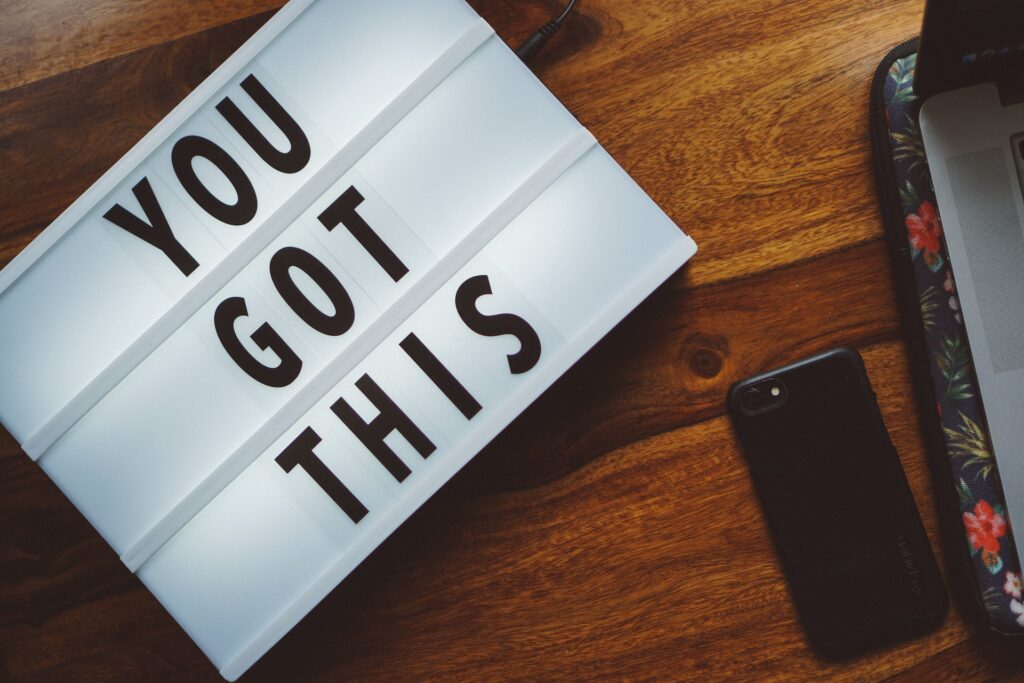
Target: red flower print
(925, 233)
(984, 527)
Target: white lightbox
(308, 297)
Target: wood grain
(41, 38)
(611, 530)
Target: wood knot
(705, 363)
(705, 355)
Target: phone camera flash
(775, 392)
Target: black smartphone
(842, 515)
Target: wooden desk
(611, 531)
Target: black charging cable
(532, 45)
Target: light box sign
(308, 297)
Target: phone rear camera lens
(751, 399)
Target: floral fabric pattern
(982, 504)
(925, 234)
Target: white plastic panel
(594, 217)
(90, 286)
(133, 456)
(115, 300)
(224, 574)
(465, 168)
(364, 310)
(321, 147)
(269, 191)
(188, 229)
(126, 481)
(345, 61)
(65, 319)
(479, 363)
(478, 136)
(171, 422)
(392, 230)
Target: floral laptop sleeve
(978, 536)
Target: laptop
(970, 78)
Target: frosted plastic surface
(337, 50)
(453, 159)
(339, 84)
(480, 364)
(113, 373)
(126, 480)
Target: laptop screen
(967, 42)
